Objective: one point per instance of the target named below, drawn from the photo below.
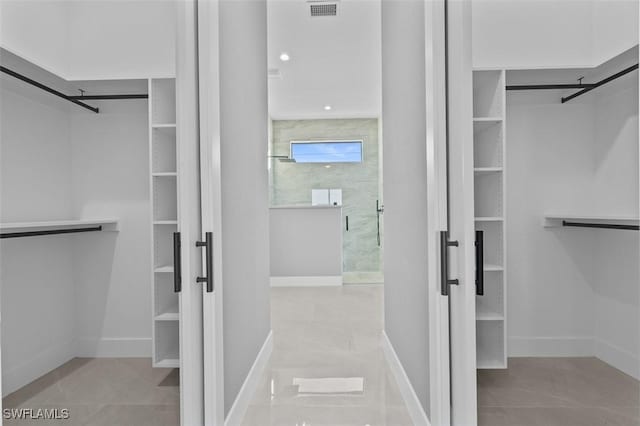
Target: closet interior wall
(73, 295)
(574, 291)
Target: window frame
(328, 141)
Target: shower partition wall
(356, 174)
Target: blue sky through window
(327, 152)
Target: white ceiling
(334, 60)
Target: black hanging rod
(585, 87)
(550, 86)
(109, 97)
(601, 225)
(47, 88)
(75, 99)
(601, 82)
(49, 232)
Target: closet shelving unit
(490, 214)
(163, 164)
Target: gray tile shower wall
(291, 183)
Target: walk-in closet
(90, 317)
(556, 207)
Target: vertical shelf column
(163, 164)
(489, 103)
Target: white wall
(121, 39)
(574, 291)
(549, 169)
(526, 34)
(110, 162)
(616, 275)
(245, 191)
(405, 188)
(615, 28)
(305, 241)
(92, 39)
(36, 273)
(38, 31)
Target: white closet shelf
(165, 222)
(160, 174)
(164, 126)
(108, 224)
(483, 170)
(490, 267)
(168, 363)
(491, 365)
(168, 316)
(489, 219)
(495, 119)
(557, 220)
(168, 269)
(489, 316)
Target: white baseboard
(40, 364)
(550, 346)
(248, 389)
(324, 281)
(418, 416)
(114, 347)
(619, 358)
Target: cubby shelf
(168, 269)
(489, 316)
(482, 170)
(489, 197)
(488, 267)
(487, 119)
(167, 363)
(164, 126)
(165, 222)
(168, 316)
(489, 219)
(165, 174)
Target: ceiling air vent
(274, 73)
(324, 9)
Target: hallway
(327, 333)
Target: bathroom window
(326, 151)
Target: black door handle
(208, 245)
(445, 282)
(479, 263)
(177, 263)
(347, 222)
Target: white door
(211, 196)
(189, 267)
(460, 217)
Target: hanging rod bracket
(601, 83)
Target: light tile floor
(557, 392)
(103, 392)
(330, 332)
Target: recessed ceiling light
(328, 166)
(284, 57)
(327, 107)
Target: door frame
(190, 296)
